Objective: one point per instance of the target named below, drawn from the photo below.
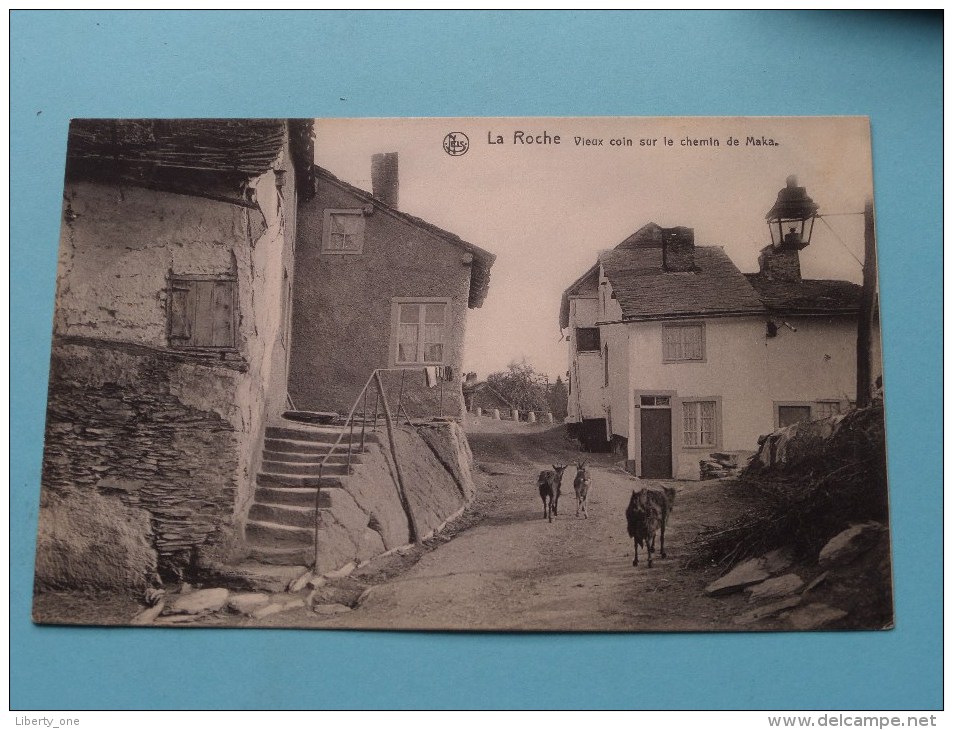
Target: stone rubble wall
(131, 452)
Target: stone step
(319, 417)
(290, 456)
(275, 535)
(281, 556)
(271, 479)
(287, 515)
(316, 434)
(312, 469)
(293, 496)
(312, 447)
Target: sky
(547, 209)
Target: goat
(549, 483)
(646, 514)
(581, 484)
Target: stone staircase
(280, 526)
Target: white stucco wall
(618, 396)
(585, 400)
(748, 371)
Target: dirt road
(513, 570)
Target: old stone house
(170, 342)
(167, 448)
(379, 288)
(675, 353)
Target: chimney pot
(384, 178)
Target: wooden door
(656, 443)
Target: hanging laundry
(430, 374)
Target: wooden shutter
(202, 313)
(180, 333)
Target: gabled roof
(205, 157)
(574, 288)
(482, 260)
(644, 290)
(809, 296)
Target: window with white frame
(683, 342)
(698, 423)
(422, 332)
(343, 231)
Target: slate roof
(206, 157)
(645, 291)
(482, 259)
(810, 296)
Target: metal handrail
(349, 422)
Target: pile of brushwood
(826, 485)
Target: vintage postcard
(542, 374)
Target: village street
(513, 570)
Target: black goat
(647, 514)
(549, 483)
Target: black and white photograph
(607, 374)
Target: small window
(788, 415)
(201, 312)
(587, 339)
(421, 333)
(656, 401)
(683, 343)
(826, 408)
(343, 232)
(698, 423)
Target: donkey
(647, 514)
(549, 483)
(581, 484)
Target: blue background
(144, 64)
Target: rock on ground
(205, 600)
(779, 587)
(247, 602)
(147, 616)
(767, 610)
(847, 545)
(777, 561)
(743, 575)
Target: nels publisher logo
(456, 144)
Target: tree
(559, 400)
(521, 385)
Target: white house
(675, 353)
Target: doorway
(656, 428)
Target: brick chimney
(678, 249)
(384, 181)
(780, 264)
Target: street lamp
(795, 211)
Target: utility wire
(840, 239)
